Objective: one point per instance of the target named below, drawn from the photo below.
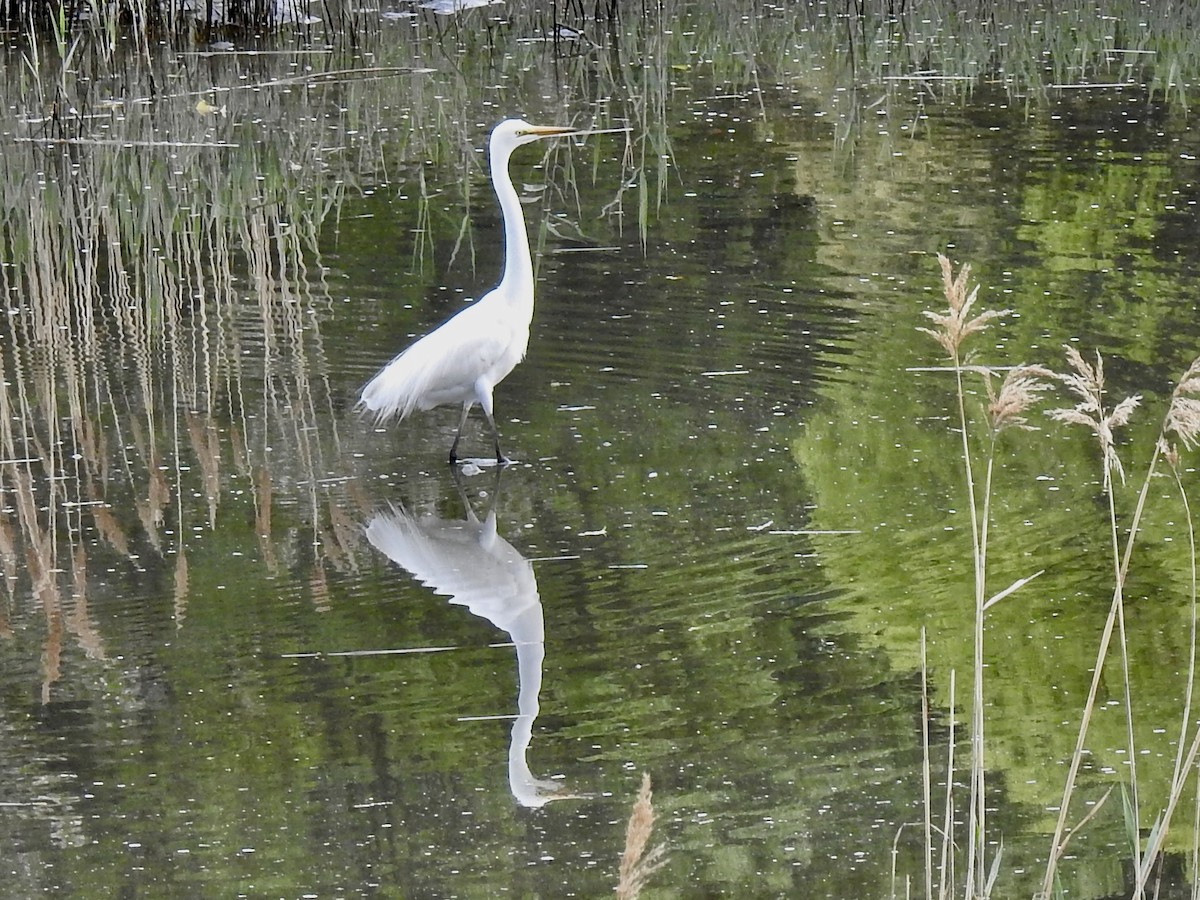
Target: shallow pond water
(255, 646)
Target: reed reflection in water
(468, 562)
(155, 362)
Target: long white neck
(517, 282)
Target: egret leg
(462, 421)
(485, 403)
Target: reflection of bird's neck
(517, 282)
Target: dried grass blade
(1015, 586)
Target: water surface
(256, 646)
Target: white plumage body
(487, 344)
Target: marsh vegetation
(741, 486)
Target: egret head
(512, 133)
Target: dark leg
(462, 421)
(501, 459)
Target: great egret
(467, 356)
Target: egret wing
(442, 367)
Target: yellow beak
(549, 130)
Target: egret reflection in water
(467, 561)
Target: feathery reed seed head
(1183, 415)
(638, 864)
(1087, 383)
(1169, 452)
(952, 327)
(1018, 392)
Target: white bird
(467, 356)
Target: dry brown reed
(638, 863)
(1183, 415)
(926, 775)
(946, 878)
(946, 830)
(1180, 422)
(1086, 382)
(79, 622)
(180, 604)
(1006, 408)
(1019, 391)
